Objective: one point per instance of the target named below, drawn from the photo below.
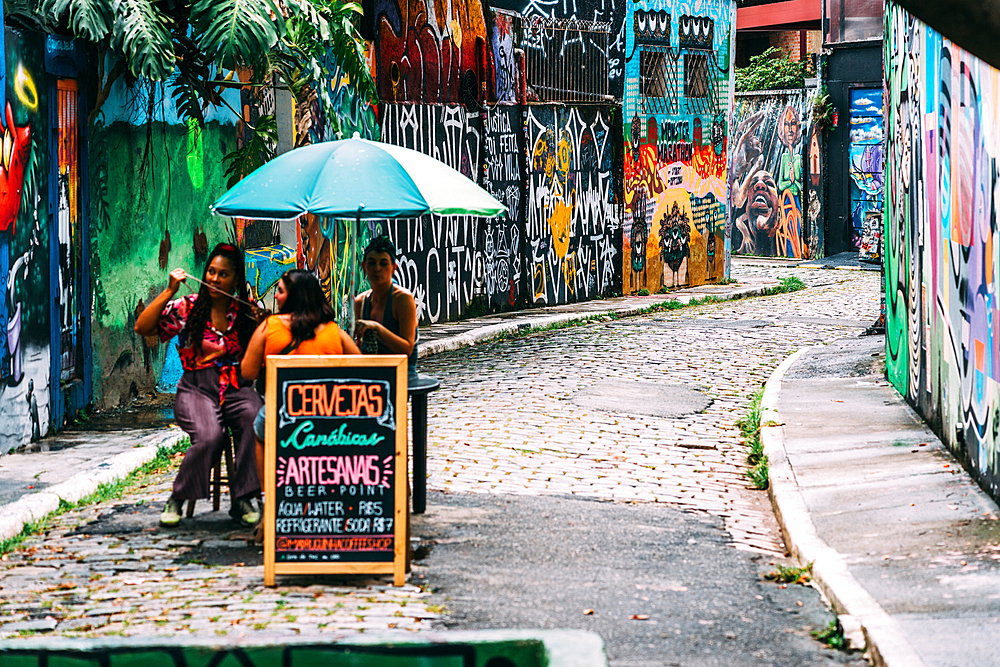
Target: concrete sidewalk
(902, 540)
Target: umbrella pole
(354, 267)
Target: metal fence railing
(565, 60)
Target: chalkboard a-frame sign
(335, 466)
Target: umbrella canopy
(355, 178)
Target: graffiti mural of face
(790, 130)
(763, 201)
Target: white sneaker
(171, 513)
(244, 512)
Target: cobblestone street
(509, 417)
(520, 417)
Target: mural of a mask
(640, 235)
(675, 236)
(640, 232)
(762, 202)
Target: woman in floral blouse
(213, 330)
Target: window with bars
(652, 73)
(565, 60)
(696, 75)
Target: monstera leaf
(141, 33)
(258, 147)
(232, 32)
(89, 19)
(349, 48)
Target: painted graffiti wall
(561, 238)
(941, 239)
(678, 83)
(573, 231)
(439, 259)
(576, 42)
(432, 51)
(25, 294)
(152, 178)
(771, 213)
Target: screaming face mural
(677, 97)
(942, 248)
(767, 183)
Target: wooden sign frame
(398, 566)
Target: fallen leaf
(798, 602)
(835, 400)
(588, 612)
(639, 617)
(239, 564)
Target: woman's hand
(177, 276)
(259, 314)
(361, 326)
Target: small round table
(418, 388)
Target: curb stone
(35, 506)
(886, 642)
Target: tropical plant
(773, 69)
(823, 110)
(195, 49)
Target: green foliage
(142, 33)
(823, 110)
(788, 574)
(749, 425)
(788, 284)
(234, 32)
(285, 40)
(832, 635)
(257, 150)
(89, 19)
(773, 69)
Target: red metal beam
(780, 15)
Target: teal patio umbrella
(355, 178)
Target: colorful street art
(865, 151)
(767, 183)
(438, 258)
(502, 238)
(432, 52)
(942, 272)
(676, 114)
(573, 242)
(151, 182)
(25, 319)
(605, 11)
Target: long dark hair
(202, 310)
(306, 303)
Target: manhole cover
(643, 398)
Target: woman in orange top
(305, 324)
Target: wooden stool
(218, 480)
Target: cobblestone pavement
(110, 569)
(510, 416)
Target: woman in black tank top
(386, 314)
